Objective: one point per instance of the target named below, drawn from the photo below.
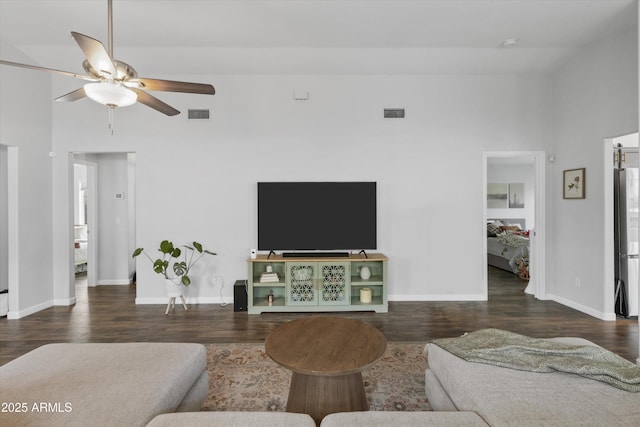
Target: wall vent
(199, 114)
(394, 113)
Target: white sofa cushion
(402, 419)
(115, 384)
(231, 418)
(506, 397)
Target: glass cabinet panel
(334, 279)
(301, 283)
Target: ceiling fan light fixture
(111, 94)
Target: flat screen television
(313, 216)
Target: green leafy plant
(170, 259)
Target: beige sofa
(342, 419)
(508, 397)
(116, 384)
(137, 384)
(403, 419)
(231, 418)
(154, 384)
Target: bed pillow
(494, 228)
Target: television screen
(316, 215)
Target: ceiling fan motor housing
(124, 71)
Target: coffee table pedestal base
(322, 395)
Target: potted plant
(170, 260)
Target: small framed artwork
(573, 184)
(516, 195)
(497, 195)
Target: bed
(508, 245)
(80, 248)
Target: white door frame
(537, 261)
(13, 261)
(92, 220)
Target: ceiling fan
(115, 83)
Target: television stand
(315, 254)
(314, 282)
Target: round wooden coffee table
(326, 355)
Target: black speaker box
(240, 295)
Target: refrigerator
(626, 236)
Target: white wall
(113, 219)
(595, 96)
(196, 180)
(25, 125)
(638, 92)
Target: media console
(317, 283)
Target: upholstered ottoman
(231, 418)
(119, 384)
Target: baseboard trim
(64, 302)
(437, 297)
(29, 310)
(582, 308)
(120, 282)
(197, 300)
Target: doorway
(517, 195)
(103, 206)
(9, 264)
(621, 225)
(4, 230)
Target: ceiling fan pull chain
(111, 125)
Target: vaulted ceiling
(163, 38)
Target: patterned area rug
(243, 378)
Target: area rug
(243, 378)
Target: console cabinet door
(301, 278)
(333, 283)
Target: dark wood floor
(109, 314)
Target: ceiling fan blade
(51, 70)
(96, 55)
(72, 96)
(155, 103)
(173, 86)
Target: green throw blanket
(510, 350)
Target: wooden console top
(351, 257)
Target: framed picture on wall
(573, 184)
(516, 195)
(497, 195)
